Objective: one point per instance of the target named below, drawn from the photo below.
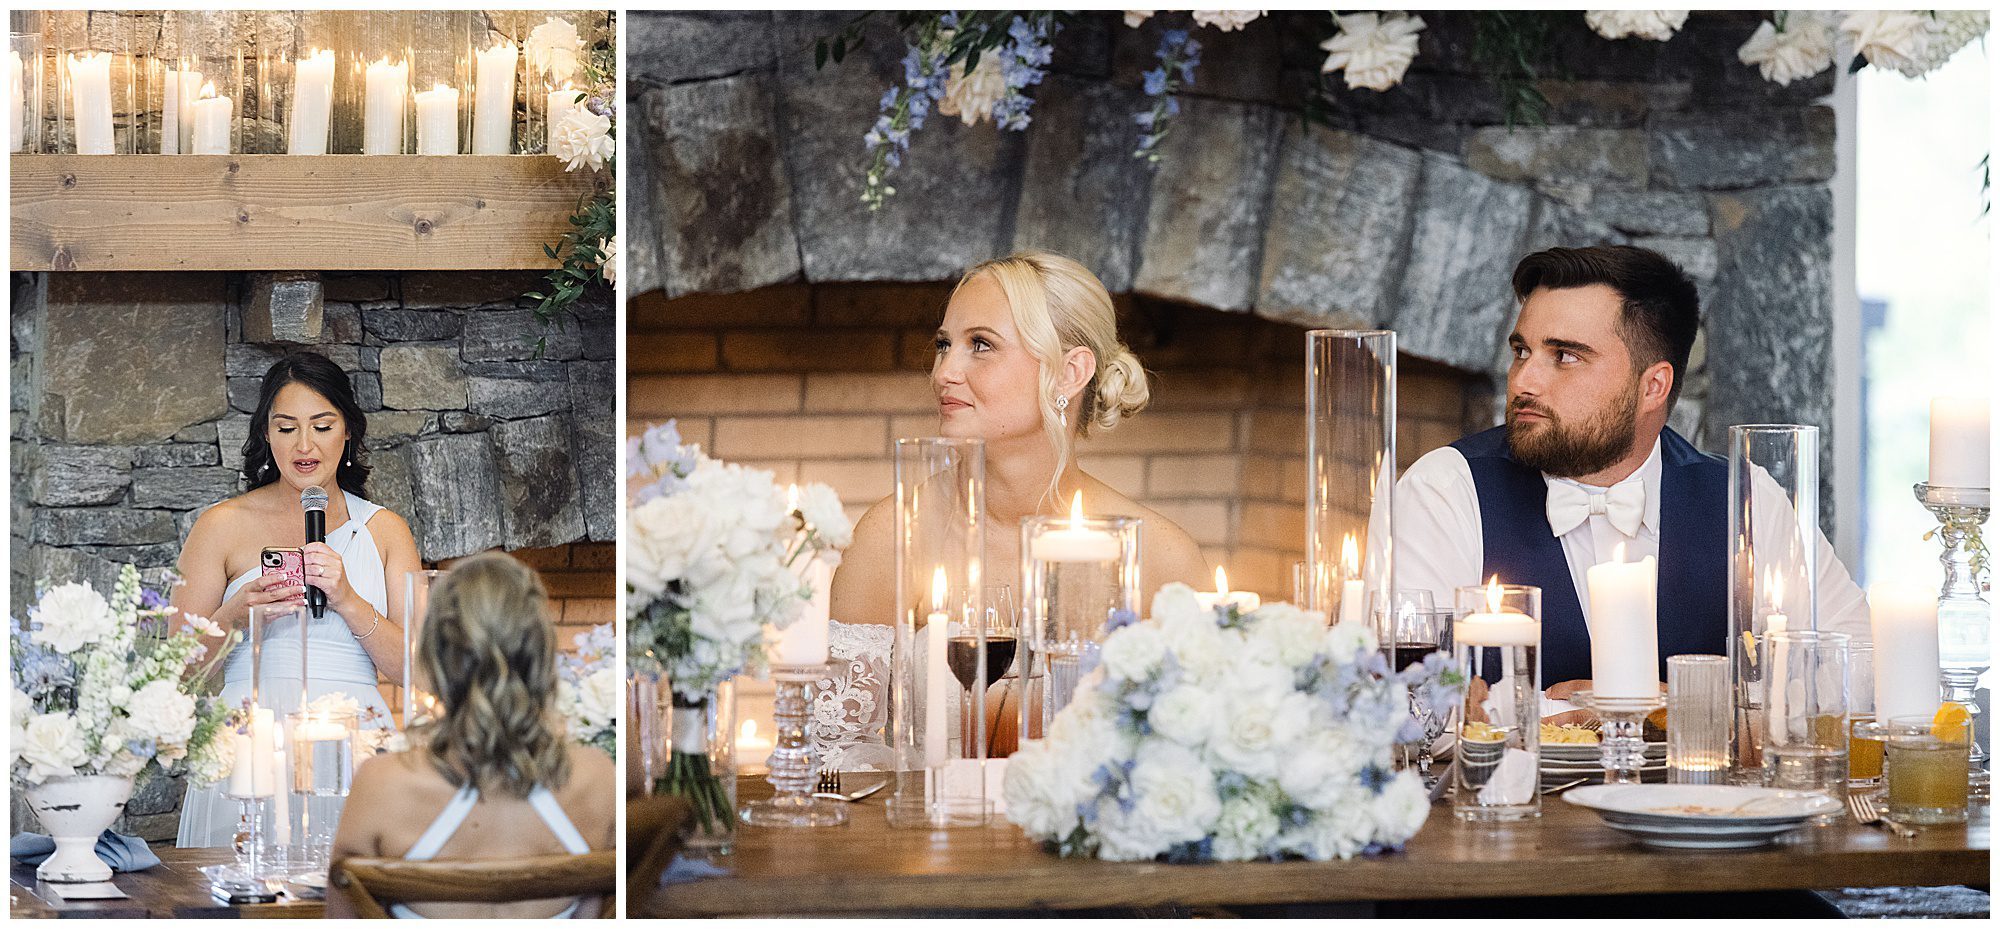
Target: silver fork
(1862, 805)
(829, 782)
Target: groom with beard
(1586, 465)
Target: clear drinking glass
(1006, 699)
(1864, 750)
(1927, 767)
(1697, 719)
(1806, 711)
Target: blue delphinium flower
(1178, 55)
(659, 457)
(904, 108)
(1023, 65)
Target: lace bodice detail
(849, 724)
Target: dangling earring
(350, 453)
(1062, 410)
(264, 468)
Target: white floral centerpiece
(1217, 735)
(104, 687)
(714, 553)
(588, 688)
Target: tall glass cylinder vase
(556, 45)
(1497, 640)
(701, 763)
(322, 772)
(441, 76)
(1773, 576)
(419, 698)
(375, 117)
(1351, 469)
(217, 94)
(306, 73)
(25, 70)
(1081, 580)
(940, 563)
(99, 92)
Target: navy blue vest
(1694, 550)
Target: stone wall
(133, 391)
(1405, 209)
(816, 383)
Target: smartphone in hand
(289, 562)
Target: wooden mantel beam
(290, 212)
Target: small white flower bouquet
(588, 688)
(105, 687)
(1217, 735)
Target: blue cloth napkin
(686, 869)
(121, 852)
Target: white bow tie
(1624, 504)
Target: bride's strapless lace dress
(849, 725)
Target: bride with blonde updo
(1028, 359)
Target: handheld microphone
(313, 501)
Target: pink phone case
(290, 562)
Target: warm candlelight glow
(1076, 510)
(791, 498)
(207, 90)
(1493, 596)
(1775, 584)
(937, 590)
(1221, 583)
(1350, 556)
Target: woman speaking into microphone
(305, 448)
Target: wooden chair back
(655, 829)
(372, 884)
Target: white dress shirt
(1440, 546)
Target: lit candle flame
(1221, 582)
(207, 90)
(791, 498)
(1774, 583)
(1493, 594)
(749, 732)
(1350, 556)
(937, 590)
(1076, 510)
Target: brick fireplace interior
(815, 382)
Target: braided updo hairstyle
(1059, 305)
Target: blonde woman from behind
(495, 777)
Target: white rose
(1295, 633)
(21, 708)
(1338, 832)
(1175, 604)
(1804, 49)
(1134, 652)
(72, 616)
(1175, 802)
(821, 507)
(1400, 810)
(1657, 25)
(553, 48)
(971, 97)
(608, 255)
(160, 712)
(1245, 827)
(1137, 18)
(1346, 642)
(1375, 50)
(1889, 38)
(1262, 725)
(1191, 634)
(52, 745)
(584, 138)
(1320, 769)
(1226, 20)
(1045, 781)
(1185, 714)
(600, 695)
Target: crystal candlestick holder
(791, 775)
(1964, 617)
(1624, 724)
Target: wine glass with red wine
(976, 670)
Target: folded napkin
(684, 870)
(121, 852)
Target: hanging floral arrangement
(986, 65)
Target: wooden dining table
(173, 889)
(867, 867)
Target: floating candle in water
(1075, 543)
(1497, 626)
(1243, 600)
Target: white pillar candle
(804, 642)
(250, 773)
(1624, 628)
(214, 117)
(1353, 590)
(1903, 622)
(561, 102)
(312, 103)
(1243, 600)
(177, 111)
(1075, 543)
(90, 101)
(387, 87)
(241, 777)
(437, 121)
(17, 100)
(1959, 430)
(937, 676)
(493, 100)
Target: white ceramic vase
(76, 810)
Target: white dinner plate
(1691, 838)
(1702, 804)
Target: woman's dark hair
(1661, 307)
(322, 377)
